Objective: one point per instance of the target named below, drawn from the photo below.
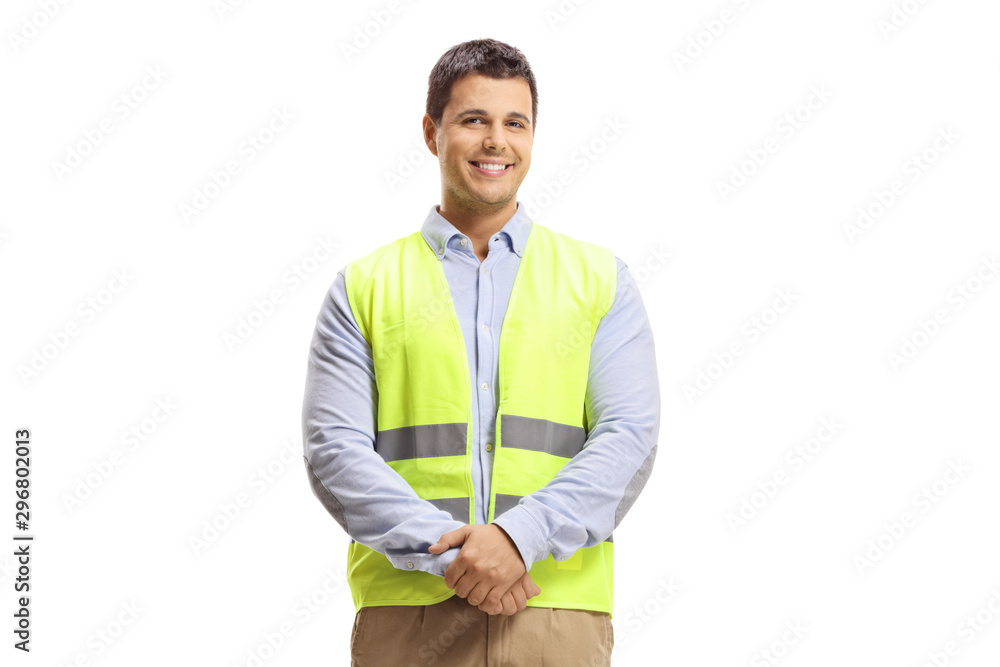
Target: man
(481, 405)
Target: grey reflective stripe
(414, 442)
(504, 502)
(457, 507)
(541, 435)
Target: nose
(495, 139)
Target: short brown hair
(480, 56)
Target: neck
(479, 227)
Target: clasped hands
(488, 570)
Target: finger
(491, 610)
(520, 597)
(530, 589)
(451, 539)
(464, 588)
(453, 574)
(509, 604)
(494, 597)
(478, 594)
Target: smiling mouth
(490, 168)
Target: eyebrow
(482, 112)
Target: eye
(469, 120)
(517, 122)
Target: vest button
(409, 564)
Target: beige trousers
(453, 633)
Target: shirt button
(485, 386)
(465, 241)
(409, 564)
(489, 446)
(518, 249)
(484, 270)
(441, 250)
(485, 328)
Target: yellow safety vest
(400, 298)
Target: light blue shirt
(580, 507)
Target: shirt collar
(440, 234)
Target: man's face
(486, 121)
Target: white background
(692, 587)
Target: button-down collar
(441, 234)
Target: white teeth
(491, 167)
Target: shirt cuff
(527, 534)
(432, 563)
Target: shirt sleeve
(586, 500)
(370, 500)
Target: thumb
(453, 539)
(531, 589)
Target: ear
(430, 134)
